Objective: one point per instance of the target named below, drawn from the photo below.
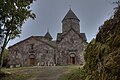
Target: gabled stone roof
(50, 43)
(38, 38)
(84, 36)
(70, 15)
(60, 36)
(48, 36)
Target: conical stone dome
(70, 15)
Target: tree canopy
(13, 13)
(102, 55)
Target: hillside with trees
(102, 55)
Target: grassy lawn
(40, 73)
(19, 73)
(72, 74)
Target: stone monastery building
(67, 49)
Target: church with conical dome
(67, 49)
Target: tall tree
(13, 13)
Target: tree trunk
(1, 59)
(2, 51)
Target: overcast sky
(49, 14)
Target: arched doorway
(32, 60)
(72, 58)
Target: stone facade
(71, 49)
(70, 43)
(34, 50)
(43, 51)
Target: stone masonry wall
(71, 43)
(20, 53)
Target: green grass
(17, 73)
(41, 73)
(72, 74)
